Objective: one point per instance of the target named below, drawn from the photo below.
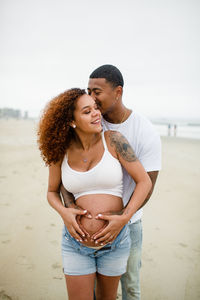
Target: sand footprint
(58, 277)
(6, 242)
(23, 261)
(183, 245)
(56, 266)
(3, 296)
(28, 228)
(55, 243)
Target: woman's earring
(74, 126)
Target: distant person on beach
(89, 163)
(169, 129)
(106, 87)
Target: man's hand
(110, 231)
(69, 217)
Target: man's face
(103, 93)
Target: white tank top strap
(104, 141)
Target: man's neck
(118, 115)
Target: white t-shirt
(146, 144)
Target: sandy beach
(30, 230)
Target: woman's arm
(119, 146)
(135, 169)
(67, 214)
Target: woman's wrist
(127, 215)
(124, 219)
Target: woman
(88, 162)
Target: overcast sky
(48, 46)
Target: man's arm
(153, 176)
(67, 198)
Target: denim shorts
(110, 260)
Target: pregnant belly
(92, 226)
(96, 204)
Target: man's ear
(119, 91)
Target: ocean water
(181, 130)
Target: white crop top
(104, 178)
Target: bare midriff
(96, 204)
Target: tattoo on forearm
(122, 146)
(68, 202)
(67, 198)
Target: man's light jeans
(130, 281)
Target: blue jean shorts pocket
(68, 241)
(125, 239)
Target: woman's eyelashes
(90, 110)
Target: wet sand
(30, 231)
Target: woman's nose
(95, 112)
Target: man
(106, 87)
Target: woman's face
(87, 116)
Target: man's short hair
(110, 73)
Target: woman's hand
(70, 218)
(109, 233)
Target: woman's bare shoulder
(120, 143)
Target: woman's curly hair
(54, 130)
